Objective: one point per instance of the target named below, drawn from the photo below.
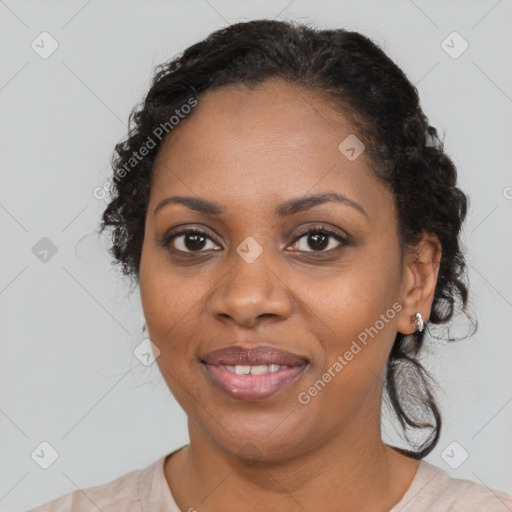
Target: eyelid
(343, 239)
(176, 232)
(334, 232)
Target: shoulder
(434, 490)
(119, 495)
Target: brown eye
(319, 240)
(188, 241)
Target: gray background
(68, 327)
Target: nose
(250, 292)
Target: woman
(293, 223)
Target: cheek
(173, 304)
(170, 305)
(166, 293)
(355, 312)
(161, 303)
(352, 297)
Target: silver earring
(418, 322)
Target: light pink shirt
(146, 490)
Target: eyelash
(309, 231)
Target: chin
(252, 443)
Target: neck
(352, 471)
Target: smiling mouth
(254, 373)
(259, 369)
(253, 382)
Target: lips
(253, 374)
(261, 355)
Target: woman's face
(258, 279)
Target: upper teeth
(253, 370)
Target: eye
(318, 239)
(188, 241)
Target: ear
(419, 279)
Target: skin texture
(251, 150)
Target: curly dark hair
(406, 153)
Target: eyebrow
(285, 209)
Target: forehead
(268, 114)
(250, 146)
